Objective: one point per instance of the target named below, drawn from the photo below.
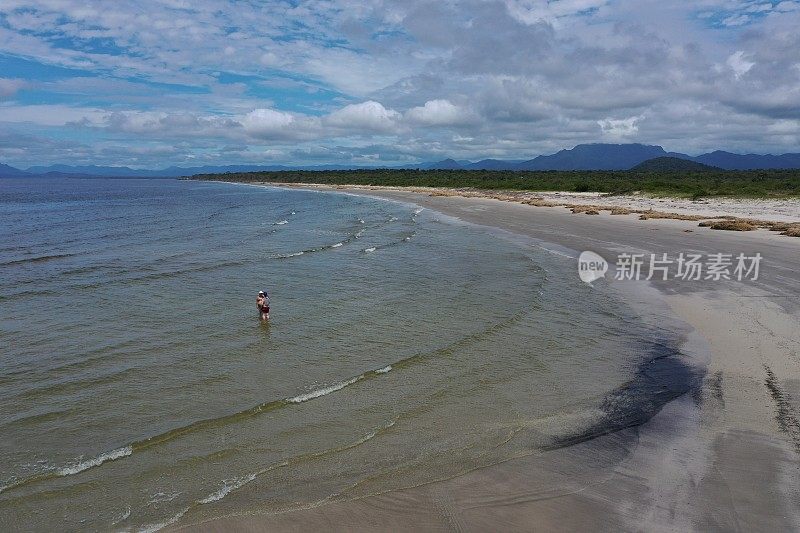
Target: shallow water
(138, 387)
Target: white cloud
(739, 19)
(266, 121)
(787, 6)
(532, 11)
(619, 127)
(739, 64)
(10, 86)
(369, 116)
(439, 113)
(462, 78)
(51, 114)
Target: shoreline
(732, 214)
(718, 458)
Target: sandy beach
(781, 215)
(724, 457)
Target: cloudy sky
(154, 83)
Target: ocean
(138, 387)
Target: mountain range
(582, 157)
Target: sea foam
(229, 485)
(324, 391)
(95, 461)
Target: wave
(166, 274)
(319, 248)
(407, 238)
(124, 516)
(152, 528)
(36, 418)
(325, 391)
(233, 484)
(71, 469)
(96, 461)
(264, 407)
(161, 497)
(82, 465)
(229, 486)
(223, 210)
(38, 259)
(281, 223)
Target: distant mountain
(597, 157)
(582, 157)
(668, 164)
(493, 164)
(729, 161)
(11, 172)
(447, 164)
(90, 170)
(171, 172)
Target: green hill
(671, 164)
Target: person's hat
(260, 293)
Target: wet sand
(724, 457)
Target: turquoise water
(138, 387)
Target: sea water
(138, 387)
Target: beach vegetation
(684, 184)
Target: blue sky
(176, 82)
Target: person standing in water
(262, 302)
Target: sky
(155, 83)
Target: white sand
(784, 210)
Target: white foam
(419, 210)
(233, 484)
(293, 213)
(160, 497)
(384, 370)
(372, 434)
(370, 250)
(324, 391)
(152, 528)
(124, 516)
(360, 221)
(229, 485)
(338, 244)
(284, 256)
(96, 461)
(282, 222)
(564, 252)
